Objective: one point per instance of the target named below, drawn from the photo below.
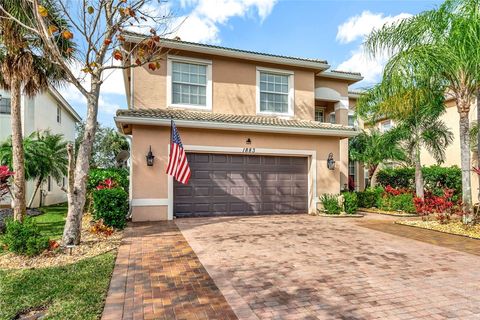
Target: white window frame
(330, 115)
(352, 114)
(323, 110)
(207, 63)
(291, 92)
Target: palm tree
(23, 64)
(45, 156)
(447, 41)
(373, 148)
(415, 100)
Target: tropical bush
(24, 238)
(401, 202)
(111, 206)
(330, 203)
(96, 176)
(436, 179)
(351, 202)
(370, 197)
(441, 207)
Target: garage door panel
(243, 184)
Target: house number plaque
(248, 150)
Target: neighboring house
(258, 129)
(45, 111)
(451, 119)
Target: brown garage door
(241, 185)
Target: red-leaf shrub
(107, 184)
(5, 174)
(442, 207)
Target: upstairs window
(5, 105)
(332, 119)
(319, 114)
(351, 120)
(59, 114)
(189, 83)
(275, 89)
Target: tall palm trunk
(77, 194)
(18, 158)
(465, 161)
(418, 172)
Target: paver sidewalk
(158, 276)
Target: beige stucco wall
(152, 182)
(451, 119)
(233, 90)
(338, 85)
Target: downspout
(130, 170)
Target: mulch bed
(91, 245)
(388, 213)
(8, 212)
(453, 227)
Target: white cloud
(370, 68)
(358, 27)
(202, 24)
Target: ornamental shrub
(111, 205)
(401, 202)
(24, 238)
(441, 207)
(436, 179)
(96, 176)
(351, 202)
(369, 197)
(330, 203)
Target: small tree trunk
(37, 186)
(465, 165)
(18, 159)
(418, 173)
(77, 182)
(371, 173)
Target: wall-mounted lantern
(249, 141)
(150, 157)
(330, 162)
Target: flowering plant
(442, 207)
(107, 184)
(5, 174)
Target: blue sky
(328, 29)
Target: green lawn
(75, 291)
(52, 220)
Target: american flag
(177, 163)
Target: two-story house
(46, 111)
(258, 130)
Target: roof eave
(235, 54)
(351, 78)
(119, 120)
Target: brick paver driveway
(302, 267)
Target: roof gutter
(235, 127)
(236, 54)
(340, 76)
